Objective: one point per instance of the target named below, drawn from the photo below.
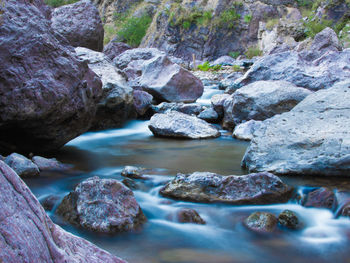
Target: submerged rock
(259, 188)
(261, 100)
(288, 219)
(49, 202)
(151, 70)
(179, 125)
(312, 139)
(48, 96)
(261, 222)
(30, 234)
(22, 165)
(102, 205)
(116, 105)
(80, 24)
(187, 215)
(321, 198)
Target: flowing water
(223, 239)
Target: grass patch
(270, 24)
(237, 68)
(229, 17)
(206, 67)
(187, 18)
(57, 3)
(315, 25)
(253, 51)
(234, 54)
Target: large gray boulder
(315, 67)
(179, 125)
(48, 96)
(259, 188)
(261, 100)
(152, 70)
(29, 235)
(80, 24)
(102, 205)
(116, 105)
(313, 138)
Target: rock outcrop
(259, 188)
(151, 70)
(312, 139)
(48, 96)
(27, 234)
(261, 100)
(102, 205)
(80, 24)
(179, 125)
(116, 105)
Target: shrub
(253, 52)
(234, 54)
(186, 24)
(57, 3)
(229, 17)
(134, 29)
(248, 18)
(206, 67)
(315, 26)
(188, 17)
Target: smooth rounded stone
(45, 164)
(30, 234)
(217, 101)
(102, 205)
(288, 219)
(115, 48)
(151, 70)
(244, 131)
(321, 198)
(179, 125)
(317, 67)
(261, 100)
(187, 215)
(142, 101)
(48, 96)
(22, 165)
(261, 222)
(209, 115)
(224, 61)
(312, 139)
(259, 188)
(187, 108)
(133, 172)
(49, 202)
(80, 23)
(116, 105)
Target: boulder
(188, 215)
(80, 24)
(261, 222)
(22, 165)
(102, 205)
(153, 71)
(116, 105)
(187, 108)
(288, 219)
(245, 131)
(48, 96)
(217, 101)
(142, 101)
(45, 164)
(318, 66)
(261, 100)
(259, 188)
(179, 125)
(321, 198)
(229, 83)
(28, 234)
(224, 61)
(209, 115)
(312, 139)
(114, 49)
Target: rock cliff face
(27, 234)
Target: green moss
(253, 51)
(57, 3)
(234, 54)
(248, 18)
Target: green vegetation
(270, 24)
(248, 18)
(206, 67)
(234, 54)
(57, 3)
(134, 29)
(237, 68)
(315, 25)
(229, 17)
(186, 18)
(253, 51)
